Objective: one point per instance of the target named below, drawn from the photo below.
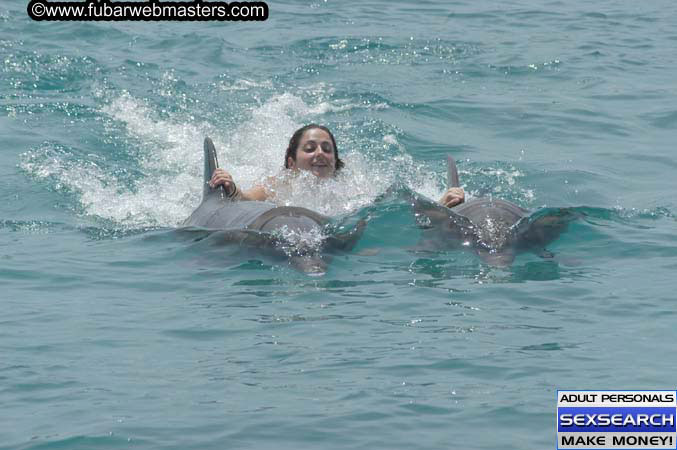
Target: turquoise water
(119, 332)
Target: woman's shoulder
(268, 187)
(271, 180)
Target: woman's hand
(454, 196)
(221, 177)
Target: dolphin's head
(313, 265)
(302, 240)
(497, 258)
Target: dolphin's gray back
(216, 213)
(478, 210)
(290, 216)
(486, 223)
(495, 228)
(494, 222)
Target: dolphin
(298, 233)
(495, 229)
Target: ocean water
(117, 331)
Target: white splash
(169, 157)
(299, 242)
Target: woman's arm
(255, 193)
(221, 177)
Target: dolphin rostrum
(495, 229)
(296, 232)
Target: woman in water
(311, 148)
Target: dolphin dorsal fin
(452, 173)
(211, 164)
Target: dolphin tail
(452, 173)
(211, 164)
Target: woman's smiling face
(315, 153)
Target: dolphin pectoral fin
(544, 226)
(433, 211)
(242, 237)
(447, 226)
(430, 218)
(461, 225)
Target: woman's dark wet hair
(296, 139)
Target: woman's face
(315, 153)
